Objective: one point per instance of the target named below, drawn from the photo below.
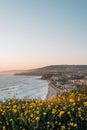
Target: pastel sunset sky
(36, 33)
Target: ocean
(22, 86)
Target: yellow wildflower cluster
(65, 112)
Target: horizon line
(7, 70)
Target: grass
(65, 112)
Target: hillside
(55, 69)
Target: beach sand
(52, 90)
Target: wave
(22, 86)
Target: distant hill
(54, 69)
(12, 71)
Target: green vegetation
(65, 112)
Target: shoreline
(52, 91)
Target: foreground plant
(65, 112)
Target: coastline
(52, 91)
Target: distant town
(64, 81)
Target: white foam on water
(22, 86)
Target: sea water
(22, 86)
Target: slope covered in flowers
(65, 112)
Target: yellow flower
(3, 128)
(74, 104)
(59, 123)
(37, 112)
(48, 123)
(14, 110)
(49, 106)
(68, 113)
(56, 122)
(78, 99)
(53, 111)
(61, 113)
(31, 115)
(37, 118)
(85, 104)
(75, 125)
(71, 100)
(14, 106)
(79, 109)
(63, 127)
(71, 124)
(44, 113)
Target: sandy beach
(52, 90)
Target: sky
(36, 33)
